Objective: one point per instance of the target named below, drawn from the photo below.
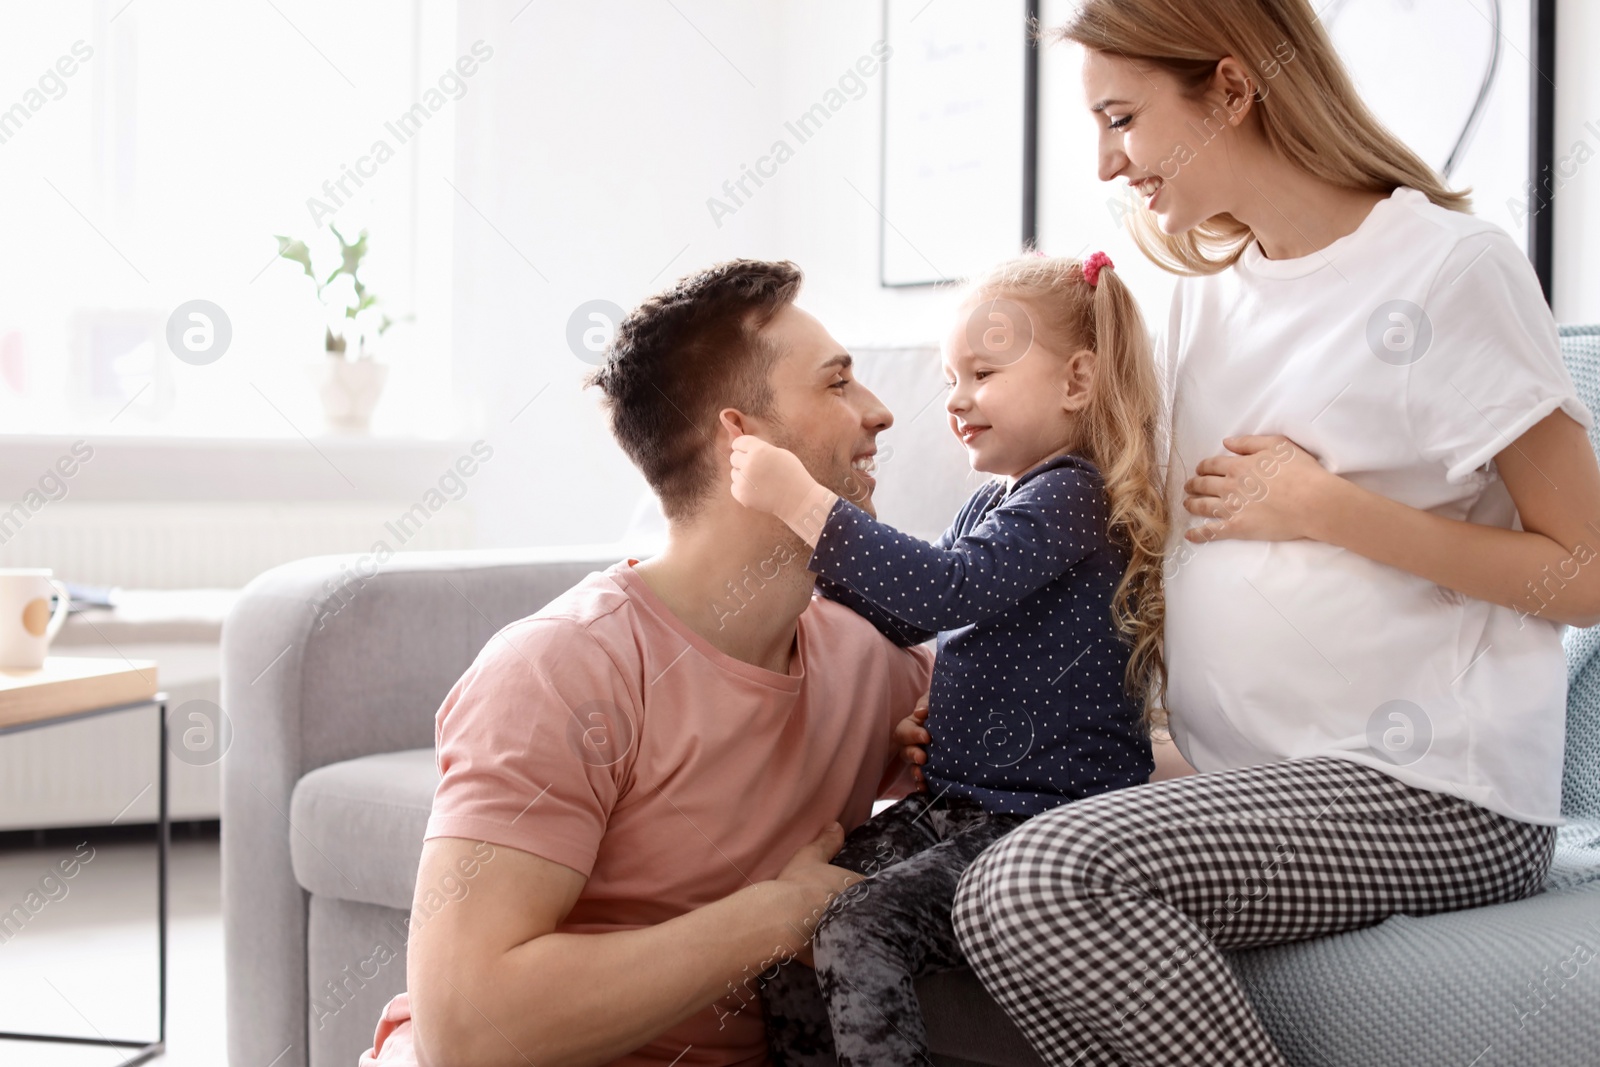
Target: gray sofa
(327, 786)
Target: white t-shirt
(1404, 355)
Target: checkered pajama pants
(1099, 925)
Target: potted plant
(349, 382)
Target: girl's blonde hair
(1308, 107)
(1117, 433)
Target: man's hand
(1270, 489)
(492, 947)
(772, 479)
(811, 882)
(911, 734)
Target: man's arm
(492, 984)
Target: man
(660, 763)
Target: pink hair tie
(1092, 265)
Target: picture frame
(959, 148)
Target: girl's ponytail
(1122, 421)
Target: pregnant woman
(1383, 500)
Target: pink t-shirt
(604, 734)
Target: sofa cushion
(358, 825)
(1508, 983)
(1580, 783)
(1578, 844)
(1504, 984)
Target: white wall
(589, 158)
(604, 133)
(605, 128)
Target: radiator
(102, 771)
(216, 546)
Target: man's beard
(842, 479)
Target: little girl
(1046, 598)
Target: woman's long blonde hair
(1117, 433)
(1309, 109)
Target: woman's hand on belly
(1266, 489)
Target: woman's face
(1173, 150)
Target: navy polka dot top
(1027, 708)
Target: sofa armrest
(324, 660)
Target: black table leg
(144, 1050)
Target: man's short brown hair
(681, 357)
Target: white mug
(27, 625)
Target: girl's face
(1013, 400)
(1173, 150)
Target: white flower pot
(350, 389)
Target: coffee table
(67, 689)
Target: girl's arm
(897, 630)
(1047, 524)
(1273, 490)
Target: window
(150, 151)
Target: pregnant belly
(1277, 649)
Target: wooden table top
(67, 685)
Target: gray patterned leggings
(858, 1007)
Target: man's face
(822, 414)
